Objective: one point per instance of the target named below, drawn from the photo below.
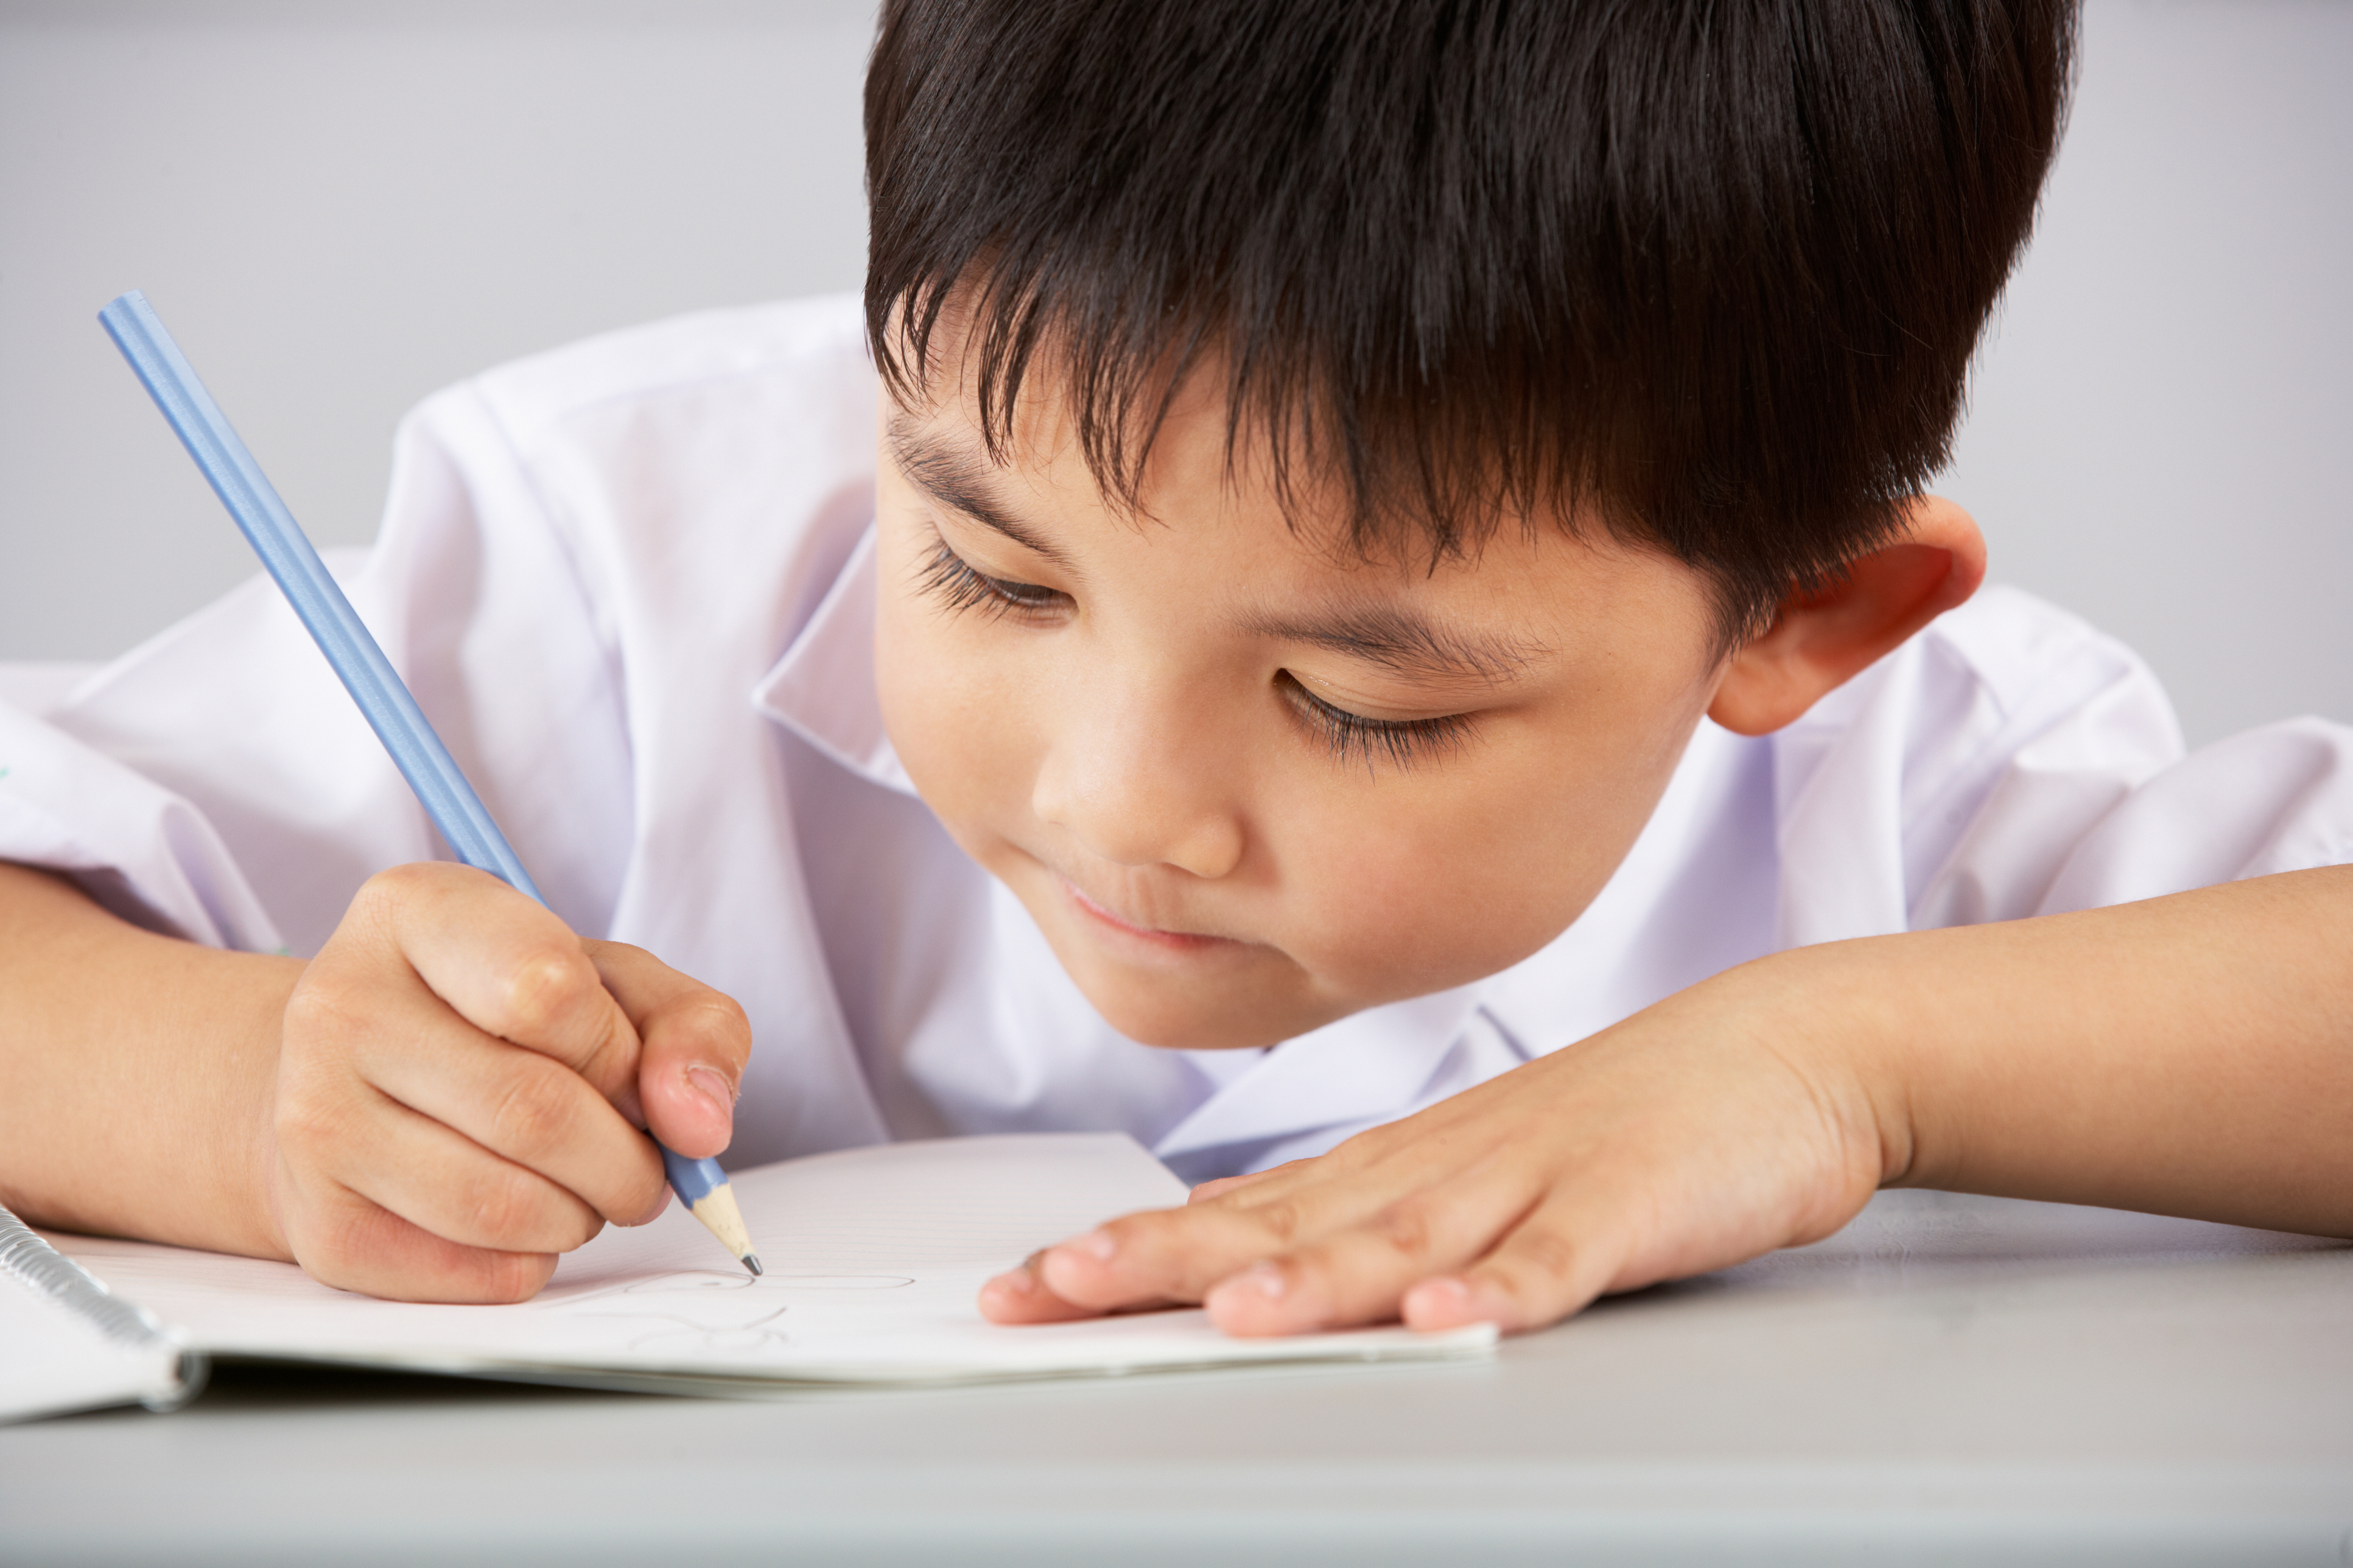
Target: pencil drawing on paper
(705, 1309)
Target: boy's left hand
(1693, 1136)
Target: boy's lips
(1171, 941)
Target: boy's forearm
(136, 1074)
(2191, 1055)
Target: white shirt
(631, 583)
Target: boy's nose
(1136, 801)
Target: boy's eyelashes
(949, 579)
(1353, 738)
(953, 581)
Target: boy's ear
(1820, 640)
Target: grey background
(341, 204)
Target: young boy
(1379, 602)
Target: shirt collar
(823, 691)
(1366, 1067)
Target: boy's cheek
(1385, 934)
(1430, 882)
(1264, 1002)
(961, 734)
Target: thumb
(695, 1043)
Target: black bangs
(1710, 272)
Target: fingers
(531, 1112)
(1021, 1294)
(1486, 1246)
(1180, 1254)
(1357, 1273)
(694, 1044)
(503, 963)
(1555, 1262)
(1172, 1255)
(1218, 1187)
(447, 1184)
(1018, 1295)
(353, 1244)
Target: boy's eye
(1353, 737)
(949, 579)
(1349, 737)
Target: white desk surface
(1952, 1380)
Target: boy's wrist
(247, 1157)
(267, 1209)
(1837, 1015)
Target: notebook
(874, 1258)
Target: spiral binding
(46, 1272)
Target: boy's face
(1247, 783)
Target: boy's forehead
(1196, 471)
(1193, 488)
(1193, 451)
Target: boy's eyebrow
(1403, 642)
(960, 480)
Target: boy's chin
(1176, 1029)
(1168, 1012)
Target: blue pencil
(373, 684)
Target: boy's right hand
(462, 1084)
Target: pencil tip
(752, 1262)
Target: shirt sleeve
(219, 783)
(2083, 795)
(2012, 761)
(2278, 798)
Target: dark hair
(1715, 268)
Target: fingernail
(713, 1085)
(1015, 1282)
(1099, 1245)
(1453, 1292)
(1447, 1299)
(1264, 1278)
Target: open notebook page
(874, 1258)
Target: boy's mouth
(1170, 941)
